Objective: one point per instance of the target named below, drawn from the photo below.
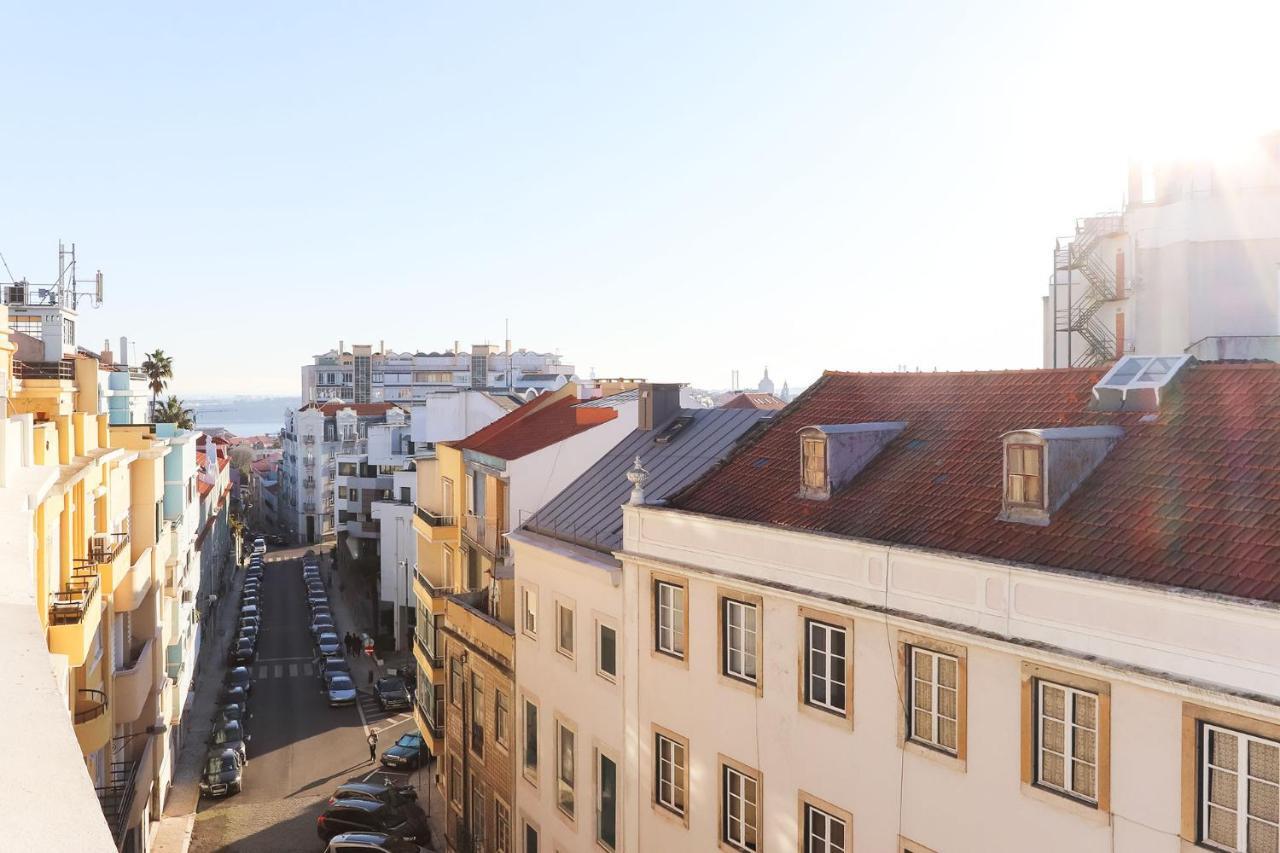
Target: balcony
(309, 507)
(131, 685)
(426, 658)
(130, 594)
(110, 553)
(434, 527)
(127, 791)
(74, 615)
(92, 722)
(426, 589)
(483, 532)
(62, 370)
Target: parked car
(371, 842)
(393, 795)
(249, 611)
(250, 630)
(275, 539)
(237, 705)
(251, 599)
(329, 644)
(316, 599)
(231, 735)
(341, 690)
(242, 651)
(240, 677)
(321, 610)
(230, 713)
(255, 621)
(321, 622)
(259, 546)
(233, 694)
(329, 667)
(223, 773)
(361, 815)
(392, 693)
(405, 752)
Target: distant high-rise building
(1189, 265)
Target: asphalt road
(300, 748)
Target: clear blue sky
(670, 190)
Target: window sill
(825, 716)
(1079, 808)
(670, 816)
(755, 688)
(946, 759)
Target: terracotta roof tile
(1188, 498)
(534, 426)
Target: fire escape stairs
(1081, 256)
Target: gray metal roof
(589, 511)
(611, 401)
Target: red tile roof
(363, 410)
(533, 426)
(754, 400)
(1188, 498)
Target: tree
(172, 411)
(159, 370)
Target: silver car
(329, 644)
(341, 690)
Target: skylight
(1149, 376)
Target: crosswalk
(292, 669)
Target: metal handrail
(435, 519)
(106, 555)
(63, 369)
(116, 798)
(67, 606)
(95, 710)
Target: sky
(667, 190)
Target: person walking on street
(373, 746)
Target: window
(446, 497)
(825, 666)
(477, 715)
(529, 597)
(530, 839)
(670, 769)
(531, 741)
(455, 682)
(566, 755)
(739, 807)
(813, 453)
(606, 801)
(564, 630)
(606, 651)
(823, 831)
(1025, 463)
(669, 618)
(1239, 800)
(455, 782)
(501, 719)
(447, 565)
(1067, 740)
(501, 827)
(477, 813)
(739, 637)
(934, 699)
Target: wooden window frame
(529, 592)
(725, 765)
(563, 605)
(501, 840)
(502, 712)
(656, 801)
(562, 725)
(525, 825)
(455, 688)
(909, 846)
(1032, 676)
(475, 684)
(810, 441)
(1017, 447)
(806, 801)
(1195, 720)
(907, 641)
(828, 713)
(530, 774)
(455, 790)
(603, 625)
(655, 647)
(598, 754)
(723, 598)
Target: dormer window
(1043, 467)
(813, 453)
(832, 454)
(1025, 464)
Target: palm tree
(159, 370)
(172, 411)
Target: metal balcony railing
(92, 705)
(106, 549)
(116, 797)
(434, 519)
(436, 591)
(63, 369)
(67, 606)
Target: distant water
(243, 415)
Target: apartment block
(364, 374)
(1189, 265)
(982, 611)
(572, 672)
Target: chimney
(382, 347)
(457, 347)
(105, 356)
(658, 402)
(342, 346)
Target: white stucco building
(1191, 264)
(937, 612)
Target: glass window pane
(1264, 801)
(1264, 761)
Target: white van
(259, 546)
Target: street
(300, 748)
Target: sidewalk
(350, 600)
(173, 835)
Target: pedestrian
(351, 643)
(373, 746)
